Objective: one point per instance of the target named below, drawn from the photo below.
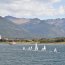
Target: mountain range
(13, 27)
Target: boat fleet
(37, 49)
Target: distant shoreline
(32, 43)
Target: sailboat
(29, 48)
(55, 50)
(0, 37)
(36, 47)
(23, 48)
(44, 48)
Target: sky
(42, 9)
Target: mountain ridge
(11, 30)
(32, 28)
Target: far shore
(32, 43)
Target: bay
(14, 55)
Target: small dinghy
(55, 50)
(44, 48)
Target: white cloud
(30, 8)
(62, 10)
(49, 1)
(55, 1)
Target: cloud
(30, 8)
(54, 1)
(62, 10)
(49, 1)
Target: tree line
(41, 40)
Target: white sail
(44, 48)
(23, 48)
(0, 37)
(55, 50)
(36, 47)
(29, 48)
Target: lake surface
(14, 55)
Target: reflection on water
(14, 55)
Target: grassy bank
(32, 43)
(60, 40)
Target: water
(14, 55)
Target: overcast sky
(43, 9)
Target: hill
(37, 28)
